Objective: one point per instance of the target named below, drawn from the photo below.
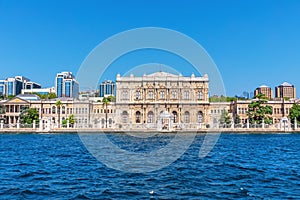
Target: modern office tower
(66, 85)
(285, 90)
(3, 84)
(15, 85)
(107, 88)
(266, 90)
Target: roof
(162, 74)
(29, 97)
(286, 84)
(263, 86)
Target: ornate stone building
(162, 99)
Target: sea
(62, 166)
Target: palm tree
(105, 102)
(58, 105)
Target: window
(186, 117)
(162, 94)
(200, 117)
(174, 94)
(53, 109)
(124, 116)
(174, 116)
(137, 95)
(186, 95)
(125, 95)
(63, 110)
(138, 117)
(150, 117)
(150, 94)
(200, 95)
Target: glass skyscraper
(14, 86)
(107, 88)
(66, 85)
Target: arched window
(186, 95)
(150, 117)
(137, 95)
(150, 94)
(138, 117)
(162, 94)
(102, 122)
(186, 117)
(200, 117)
(175, 119)
(63, 110)
(174, 94)
(53, 109)
(124, 116)
(200, 95)
(125, 95)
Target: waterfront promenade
(114, 130)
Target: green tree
(225, 118)
(257, 111)
(58, 105)
(295, 113)
(71, 119)
(29, 115)
(52, 96)
(2, 109)
(10, 96)
(237, 119)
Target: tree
(58, 105)
(225, 118)
(295, 113)
(257, 111)
(237, 119)
(105, 102)
(52, 96)
(29, 115)
(71, 119)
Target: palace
(155, 98)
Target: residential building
(266, 90)
(285, 90)
(107, 88)
(66, 85)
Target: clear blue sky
(252, 42)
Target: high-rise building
(3, 84)
(107, 88)
(263, 89)
(285, 90)
(66, 85)
(13, 86)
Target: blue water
(246, 166)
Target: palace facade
(161, 98)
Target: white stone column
(41, 125)
(295, 124)
(1, 124)
(18, 124)
(68, 124)
(263, 123)
(248, 124)
(33, 124)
